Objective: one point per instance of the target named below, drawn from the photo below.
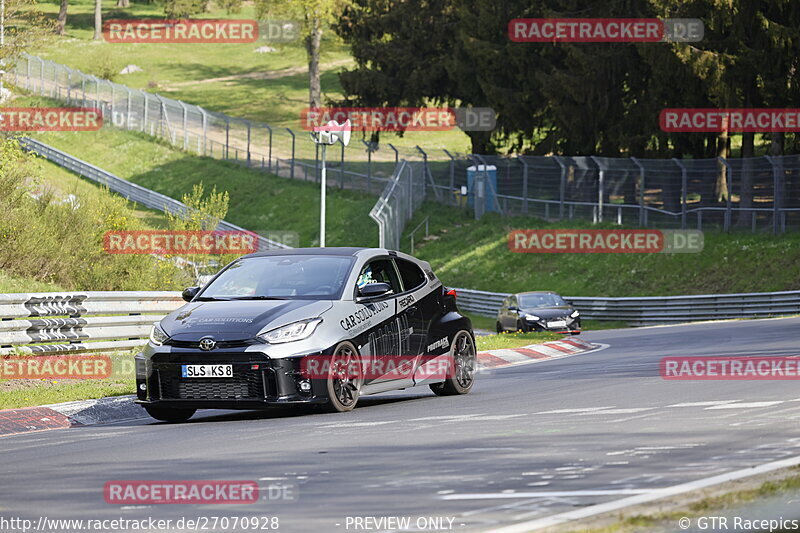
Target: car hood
(548, 312)
(237, 320)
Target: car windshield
(540, 300)
(291, 277)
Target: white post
(322, 202)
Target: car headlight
(530, 316)
(291, 332)
(574, 314)
(157, 335)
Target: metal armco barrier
(131, 191)
(651, 310)
(52, 323)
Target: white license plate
(207, 371)
(557, 324)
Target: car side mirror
(189, 293)
(374, 290)
(513, 308)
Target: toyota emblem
(207, 344)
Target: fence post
(205, 127)
(451, 196)
(41, 77)
(28, 75)
(562, 187)
(521, 159)
(291, 169)
(600, 188)
(146, 103)
(396, 154)
(269, 156)
(127, 108)
(684, 185)
(185, 125)
(83, 90)
(248, 141)
(642, 219)
(369, 164)
(776, 195)
(69, 86)
(227, 137)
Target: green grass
(717, 505)
(12, 283)
(43, 392)
(15, 393)
(258, 201)
(474, 254)
(514, 340)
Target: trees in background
(313, 16)
(576, 98)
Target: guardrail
(651, 310)
(52, 323)
(125, 188)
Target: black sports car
(538, 311)
(313, 325)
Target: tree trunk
(61, 21)
(123, 3)
(746, 180)
(722, 178)
(312, 51)
(98, 20)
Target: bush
(54, 241)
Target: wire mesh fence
(755, 194)
(403, 194)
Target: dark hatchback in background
(538, 311)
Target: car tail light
(452, 292)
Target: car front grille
(244, 385)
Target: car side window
(505, 303)
(411, 274)
(379, 271)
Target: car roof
(535, 292)
(336, 251)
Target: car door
(416, 303)
(386, 341)
(502, 313)
(512, 313)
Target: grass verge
(474, 254)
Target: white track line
(657, 494)
(545, 494)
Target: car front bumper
(257, 382)
(572, 325)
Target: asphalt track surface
(529, 442)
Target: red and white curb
(69, 414)
(534, 353)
